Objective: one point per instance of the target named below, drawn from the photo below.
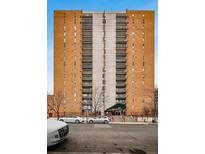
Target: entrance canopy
(116, 107)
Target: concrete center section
(110, 60)
(97, 55)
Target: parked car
(72, 118)
(99, 119)
(56, 131)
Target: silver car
(99, 119)
(72, 118)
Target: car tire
(77, 121)
(91, 121)
(105, 122)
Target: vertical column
(149, 59)
(140, 55)
(67, 60)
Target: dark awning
(116, 107)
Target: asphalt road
(109, 138)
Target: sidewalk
(134, 123)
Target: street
(109, 138)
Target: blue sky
(95, 5)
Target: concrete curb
(133, 123)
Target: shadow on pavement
(51, 148)
(136, 151)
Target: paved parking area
(109, 138)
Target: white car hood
(53, 125)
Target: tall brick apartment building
(108, 55)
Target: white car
(56, 131)
(99, 119)
(72, 118)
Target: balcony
(122, 34)
(87, 30)
(119, 72)
(86, 55)
(120, 101)
(87, 78)
(121, 84)
(86, 20)
(87, 84)
(121, 96)
(121, 27)
(121, 47)
(120, 91)
(123, 78)
(121, 22)
(87, 102)
(121, 54)
(120, 60)
(87, 59)
(86, 66)
(87, 34)
(87, 72)
(120, 66)
(87, 91)
(88, 40)
(121, 39)
(88, 97)
(87, 47)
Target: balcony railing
(120, 84)
(87, 59)
(121, 34)
(120, 72)
(121, 96)
(120, 66)
(122, 60)
(85, 72)
(85, 90)
(87, 66)
(87, 84)
(120, 78)
(118, 91)
(87, 78)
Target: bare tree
(50, 100)
(146, 110)
(97, 100)
(156, 103)
(149, 108)
(55, 103)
